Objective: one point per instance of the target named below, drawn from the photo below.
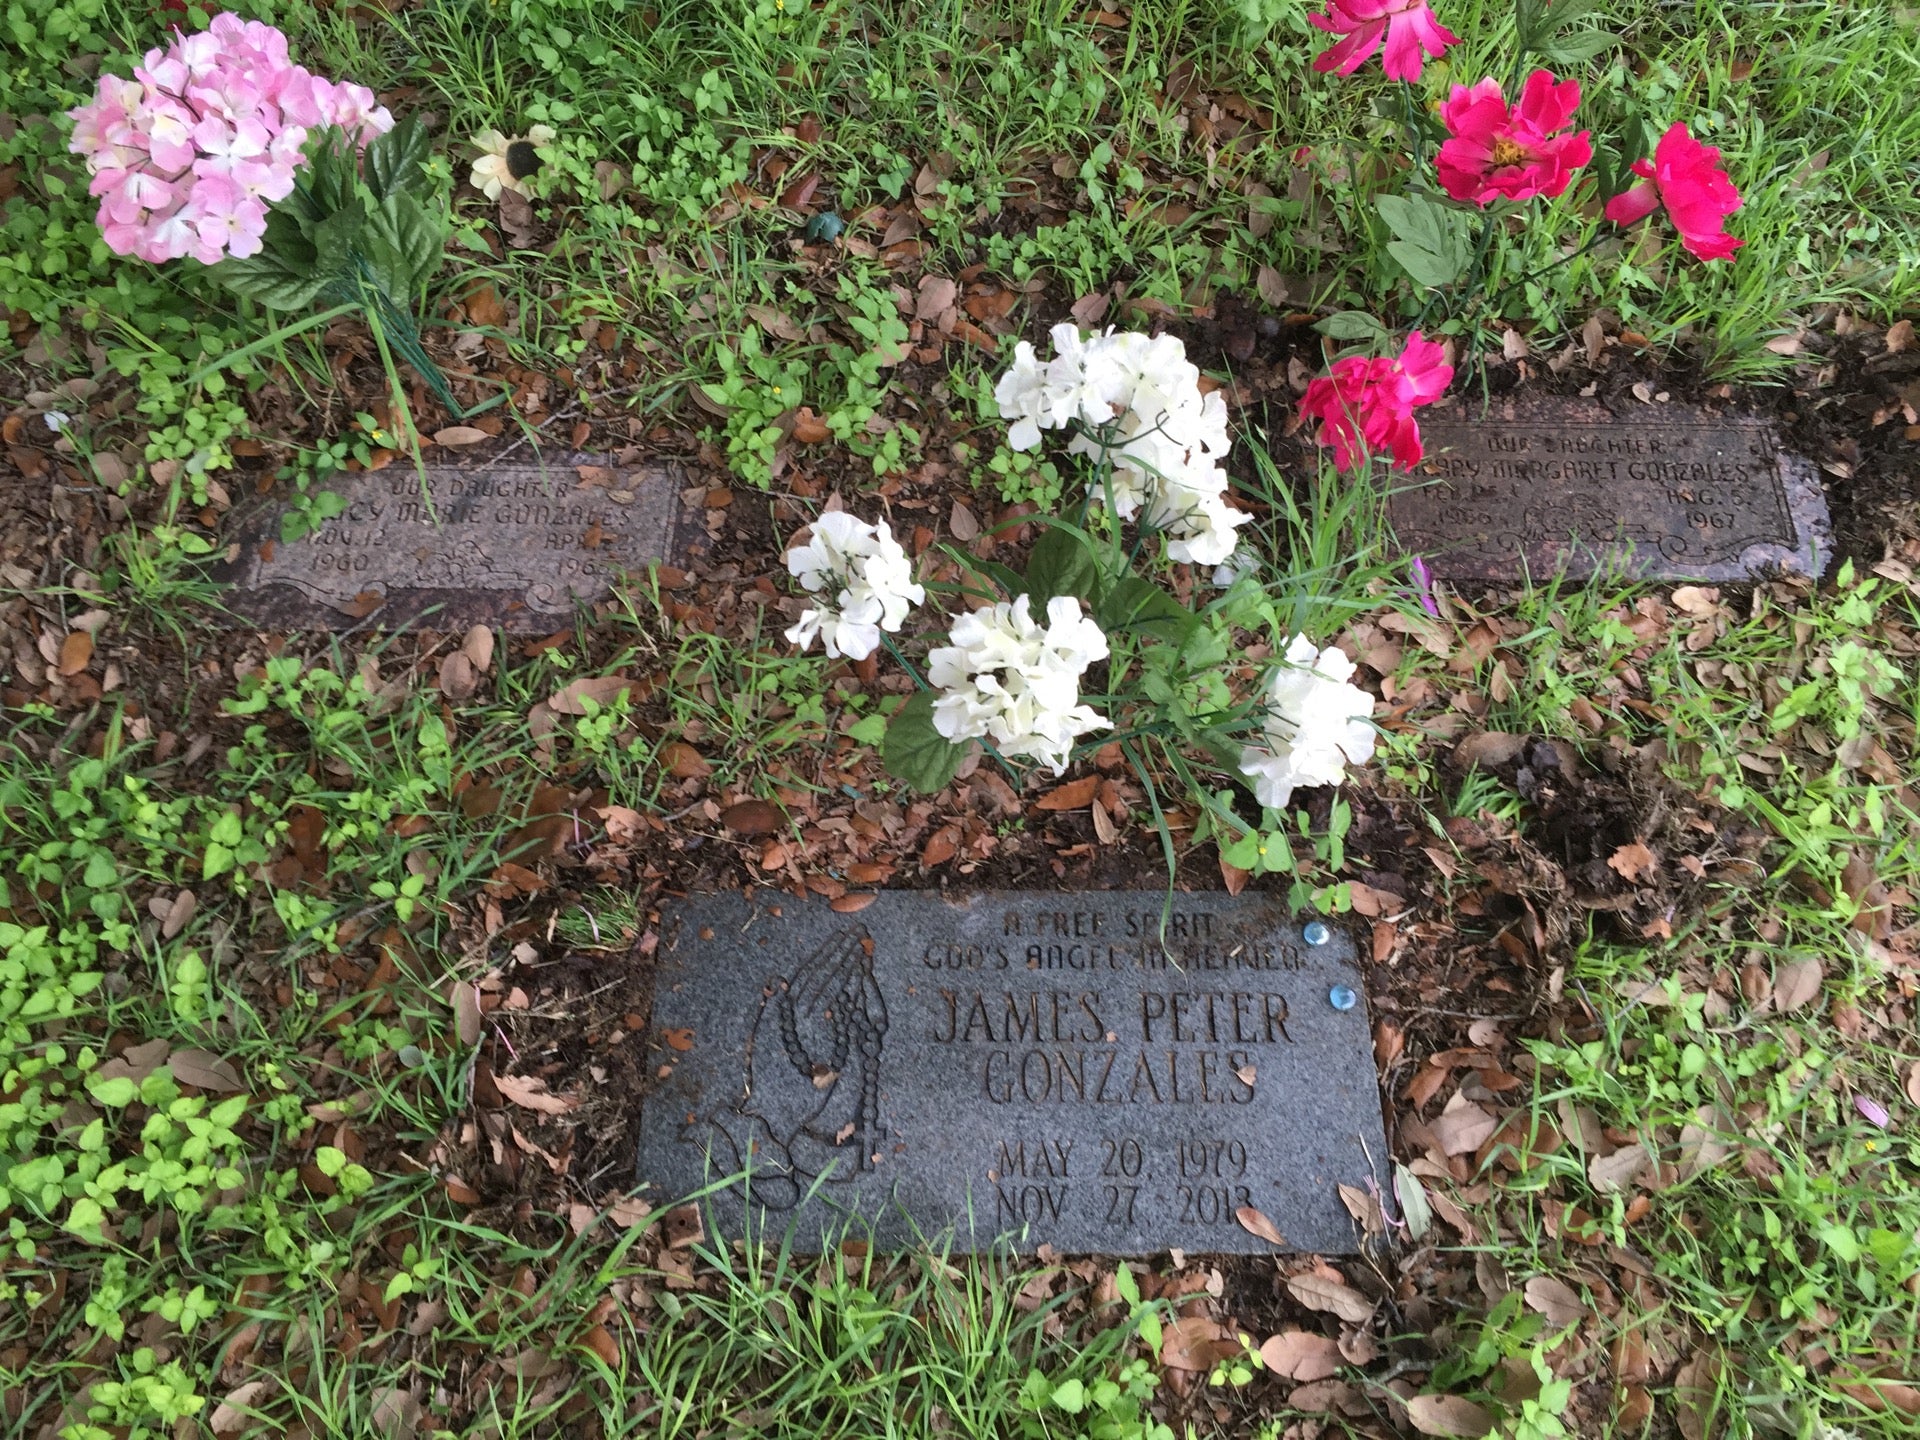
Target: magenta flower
(1684, 176)
(1366, 406)
(186, 156)
(1494, 153)
(1407, 26)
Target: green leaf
(271, 282)
(329, 1160)
(333, 240)
(395, 162)
(915, 751)
(1139, 604)
(84, 1219)
(1062, 563)
(869, 731)
(1431, 245)
(1579, 47)
(1070, 1396)
(1842, 1241)
(120, 1090)
(402, 244)
(1351, 325)
(217, 861)
(1413, 1201)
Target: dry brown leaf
(1696, 1390)
(530, 1092)
(1074, 795)
(204, 1069)
(964, 524)
(1301, 1355)
(751, 817)
(1462, 1126)
(1557, 1300)
(178, 914)
(75, 651)
(1610, 1174)
(457, 678)
(1913, 1082)
(459, 435)
(1449, 1415)
(1632, 860)
(465, 1000)
(1317, 1292)
(935, 298)
(1488, 748)
(478, 648)
(1796, 983)
(1882, 1392)
(683, 761)
(852, 902)
(230, 1416)
(1899, 336)
(629, 1212)
(1255, 1223)
(1195, 1342)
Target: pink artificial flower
(1365, 406)
(1494, 153)
(187, 154)
(1407, 26)
(1684, 176)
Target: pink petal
(1632, 206)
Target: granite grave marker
(1669, 492)
(512, 542)
(1012, 1062)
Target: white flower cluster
(1016, 682)
(865, 581)
(1141, 396)
(1316, 725)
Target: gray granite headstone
(1014, 1063)
(1663, 492)
(512, 543)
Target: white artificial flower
(1137, 402)
(865, 579)
(506, 161)
(1316, 725)
(1009, 679)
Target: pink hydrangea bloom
(187, 155)
(1407, 27)
(1684, 176)
(1366, 406)
(1496, 153)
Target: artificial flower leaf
(402, 243)
(1062, 563)
(914, 751)
(395, 162)
(1139, 604)
(1430, 244)
(270, 281)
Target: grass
(292, 862)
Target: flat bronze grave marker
(1567, 487)
(1019, 1062)
(512, 543)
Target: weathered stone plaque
(512, 543)
(1570, 488)
(1012, 1063)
